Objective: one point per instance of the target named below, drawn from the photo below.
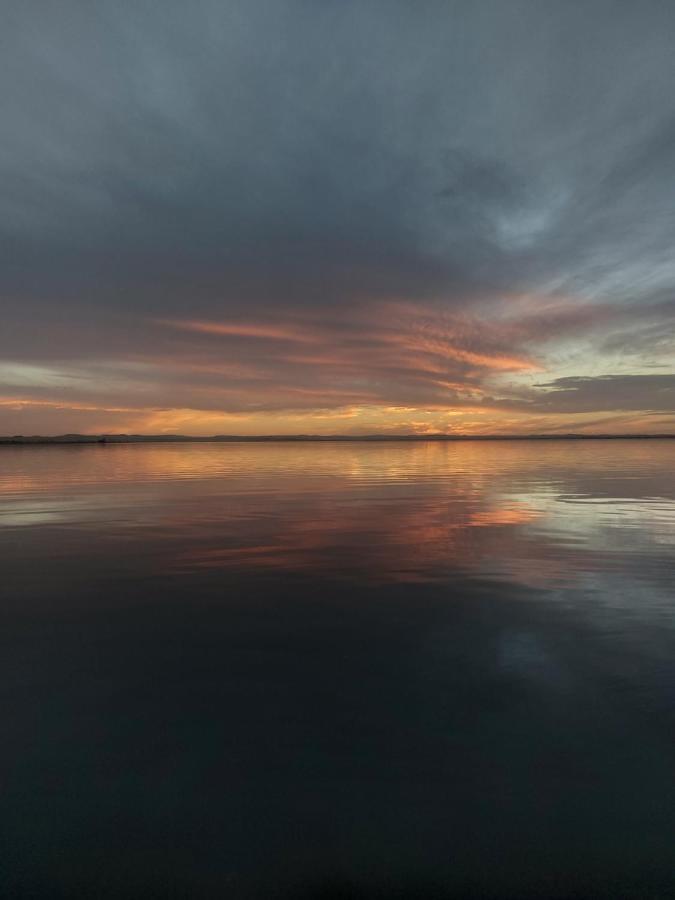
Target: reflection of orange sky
(349, 462)
(398, 512)
(514, 515)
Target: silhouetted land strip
(310, 438)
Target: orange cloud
(242, 329)
(378, 368)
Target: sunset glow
(227, 246)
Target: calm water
(337, 670)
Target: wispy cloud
(288, 210)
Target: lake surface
(338, 670)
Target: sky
(336, 217)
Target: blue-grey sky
(337, 216)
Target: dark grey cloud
(504, 169)
(644, 393)
(165, 155)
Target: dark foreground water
(338, 670)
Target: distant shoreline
(80, 439)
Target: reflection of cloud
(523, 654)
(509, 515)
(385, 513)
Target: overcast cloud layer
(254, 217)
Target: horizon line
(123, 438)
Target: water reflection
(253, 670)
(539, 515)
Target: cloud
(646, 393)
(336, 203)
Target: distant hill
(290, 438)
